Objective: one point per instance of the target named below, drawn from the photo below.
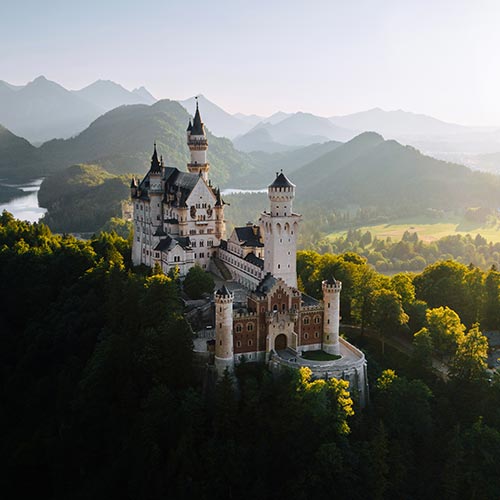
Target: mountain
(397, 123)
(370, 171)
(222, 123)
(296, 130)
(107, 95)
(43, 110)
(145, 96)
(259, 139)
(121, 141)
(252, 120)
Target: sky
(327, 57)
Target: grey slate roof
(223, 291)
(198, 127)
(281, 181)
(267, 282)
(248, 237)
(309, 301)
(169, 243)
(253, 259)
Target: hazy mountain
(277, 117)
(145, 95)
(298, 129)
(107, 95)
(121, 141)
(397, 123)
(259, 139)
(252, 120)
(369, 171)
(265, 163)
(43, 110)
(222, 123)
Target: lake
(25, 207)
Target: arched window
(306, 320)
(238, 328)
(250, 327)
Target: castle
(179, 222)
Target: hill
(259, 139)
(18, 158)
(121, 141)
(82, 198)
(43, 109)
(370, 171)
(296, 130)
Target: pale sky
(327, 57)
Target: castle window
(202, 255)
(306, 335)
(220, 342)
(220, 325)
(210, 243)
(250, 327)
(238, 343)
(316, 334)
(283, 307)
(238, 328)
(328, 321)
(317, 319)
(328, 305)
(202, 243)
(193, 244)
(279, 266)
(306, 320)
(250, 342)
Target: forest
(101, 399)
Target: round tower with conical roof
(331, 318)
(198, 146)
(280, 229)
(224, 353)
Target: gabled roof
(281, 181)
(249, 236)
(160, 232)
(253, 259)
(169, 243)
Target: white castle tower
(156, 190)
(224, 354)
(280, 229)
(198, 146)
(331, 303)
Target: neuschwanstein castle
(179, 222)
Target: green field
(429, 229)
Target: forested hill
(369, 171)
(121, 141)
(18, 158)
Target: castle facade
(179, 222)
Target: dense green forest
(100, 398)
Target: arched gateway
(280, 343)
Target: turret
(280, 229)
(220, 223)
(331, 303)
(198, 145)
(133, 187)
(224, 353)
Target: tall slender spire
(198, 126)
(155, 163)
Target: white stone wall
(331, 302)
